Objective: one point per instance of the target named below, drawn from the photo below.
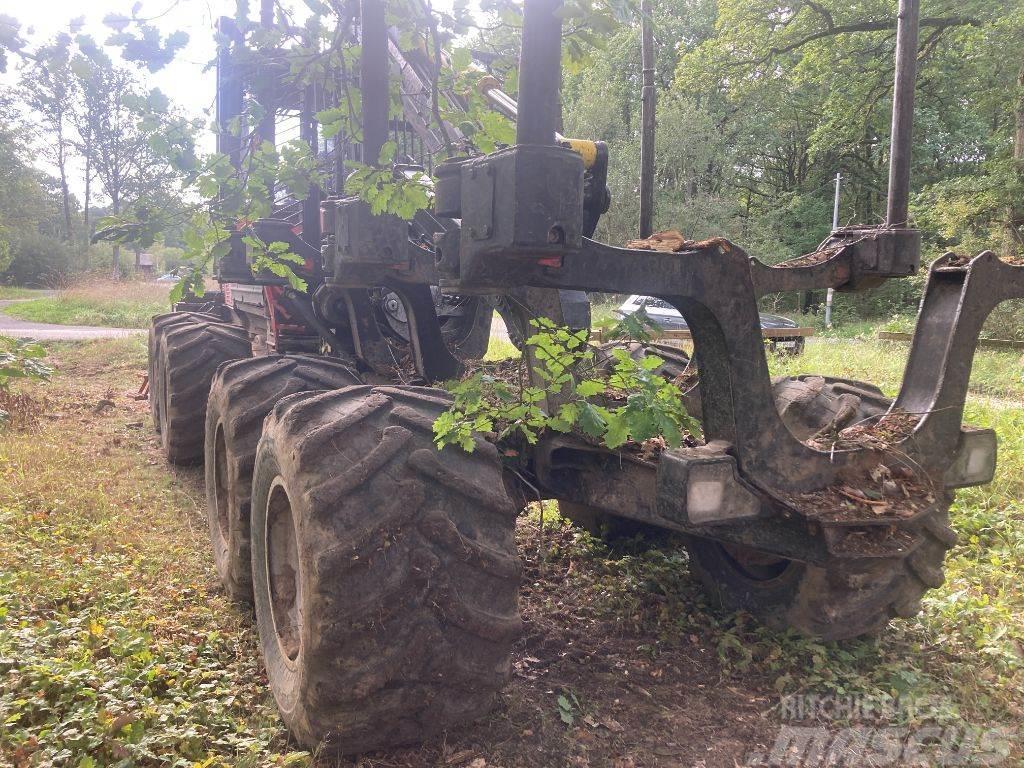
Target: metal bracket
(356, 236)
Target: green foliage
(636, 326)
(38, 259)
(10, 38)
(568, 707)
(20, 359)
(141, 42)
(583, 393)
(389, 192)
(30, 251)
(204, 242)
(761, 103)
(277, 259)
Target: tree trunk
(1014, 239)
(115, 262)
(85, 211)
(65, 195)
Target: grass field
(126, 304)
(13, 292)
(118, 647)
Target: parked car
(667, 317)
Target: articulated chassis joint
(362, 250)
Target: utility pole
(835, 226)
(648, 101)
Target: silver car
(667, 317)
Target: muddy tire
(844, 598)
(158, 326)
(385, 573)
(189, 354)
(241, 396)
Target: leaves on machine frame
(625, 402)
(277, 259)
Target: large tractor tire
(158, 326)
(241, 396)
(189, 355)
(385, 573)
(841, 599)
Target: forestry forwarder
(384, 572)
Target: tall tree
(119, 142)
(822, 73)
(47, 86)
(86, 115)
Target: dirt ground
(622, 663)
(646, 702)
(633, 697)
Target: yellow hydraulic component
(586, 148)
(488, 83)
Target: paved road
(26, 329)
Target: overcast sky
(183, 80)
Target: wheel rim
(220, 486)
(283, 573)
(754, 565)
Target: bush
(38, 260)
(19, 360)
(1006, 322)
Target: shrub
(19, 360)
